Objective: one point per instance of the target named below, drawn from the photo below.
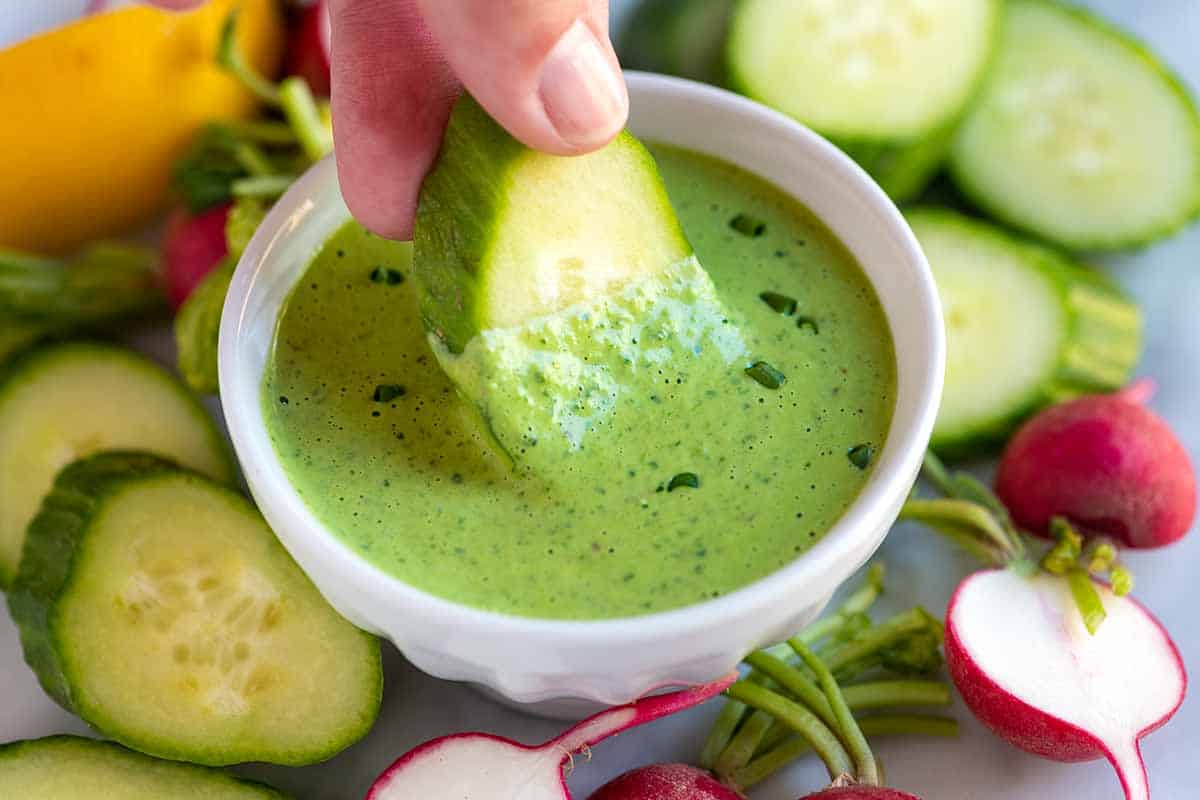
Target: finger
(545, 69)
(391, 96)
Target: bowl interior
(674, 112)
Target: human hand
(545, 69)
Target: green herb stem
(1087, 599)
(770, 762)
(229, 56)
(801, 720)
(300, 109)
(269, 186)
(252, 159)
(865, 766)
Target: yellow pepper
(97, 112)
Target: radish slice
(1028, 669)
(479, 766)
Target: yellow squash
(96, 113)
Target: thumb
(544, 69)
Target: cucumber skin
(47, 564)
(197, 329)
(451, 240)
(1108, 372)
(216, 778)
(25, 364)
(960, 173)
(902, 168)
(48, 556)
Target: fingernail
(583, 94)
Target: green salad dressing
(729, 444)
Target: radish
(192, 246)
(308, 48)
(479, 766)
(665, 782)
(1105, 462)
(1051, 681)
(1029, 670)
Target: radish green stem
(230, 57)
(252, 159)
(778, 757)
(744, 744)
(722, 732)
(301, 112)
(266, 132)
(1121, 580)
(795, 683)
(1087, 599)
(799, 719)
(850, 613)
(888, 694)
(875, 695)
(889, 632)
(851, 735)
(262, 185)
(969, 525)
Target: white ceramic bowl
(535, 661)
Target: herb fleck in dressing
(733, 486)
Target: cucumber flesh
(158, 606)
(505, 234)
(1024, 328)
(1082, 137)
(65, 401)
(75, 768)
(848, 68)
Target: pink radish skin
(479, 766)
(665, 782)
(192, 246)
(1023, 662)
(1105, 462)
(860, 793)
(308, 48)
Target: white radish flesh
(478, 766)
(1020, 655)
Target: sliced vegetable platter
(1165, 283)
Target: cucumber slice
(64, 401)
(198, 328)
(678, 37)
(1024, 328)
(1082, 136)
(75, 768)
(848, 70)
(158, 606)
(505, 234)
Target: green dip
(701, 478)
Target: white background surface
(1166, 279)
